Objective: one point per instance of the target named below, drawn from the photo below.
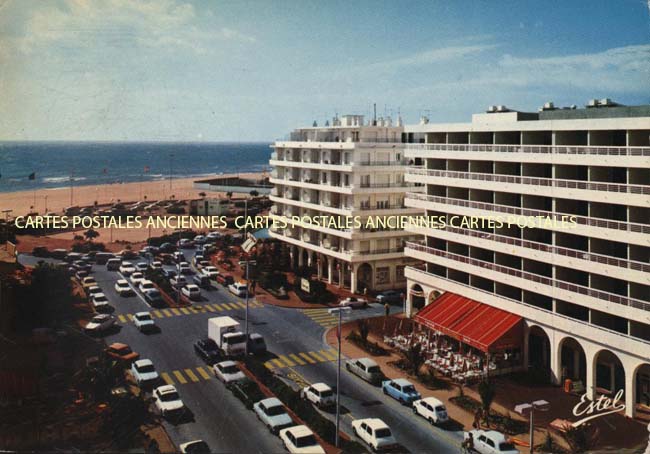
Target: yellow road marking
(122, 318)
(242, 305)
(179, 376)
(286, 360)
(130, 316)
(175, 311)
(328, 354)
(209, 307)
(230, 305)
(269, 366)
(277, 362)
(203, 373)
(307, 357)
(191, 374)
(185, 311)
(317, 356)
(157, 314)
(167, 378)
(297, 359)
(166, 312)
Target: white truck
(226, 333)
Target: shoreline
(55, 200)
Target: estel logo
(601, 407)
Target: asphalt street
(296, 352)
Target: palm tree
(91, 234)
(487, 392)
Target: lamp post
(529, 408)
(339, 311)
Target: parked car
(82, 265)
(300, 439)
(167, 401)
(431, 409)
(199, 239)
(354, 302)
(136, 278)
(195, 447)
(92, 290)
(144, 322)
(168, 273)
(122, 353)
(80, 275)
(153, 250)
(365, 368)
(144, 372)
(156, 265)
(100, 302)
(113, 264)
(142, 266)
(490, 442)
(123, 288)
(184, 243)
(196, 259)
(202, 280)
(154, 298)
(401, 390)
(178, 257)
(375, 433)
(225, 279)
(127, 268)
(207, 350)
(167, 248)
(192, 292)
(184, 268)
(228, 372)
(178, 281)
(238, 288)
(318, 394)
(40, 251)
(102, 258)
(100, 323)
(256, 344)
(146, 285)
(210, 271)
(273, 414)
(88, 282)
(390, 297)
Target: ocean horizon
(54, 164)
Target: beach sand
(55, 200)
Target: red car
(122, 353)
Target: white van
(238, 288)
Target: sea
(38, 165)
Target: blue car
(401, 390)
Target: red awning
(480, 325)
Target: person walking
(386, 310)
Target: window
(382, 275)
(489, 442)
(399, 273)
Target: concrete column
(556, 364)
(630, 393)
(591, 377)
(576, 363)
(330, 271)
(319, 267)
(341, 275)
(525, 352)
(300, 257)
(353, 279)
(310, 262)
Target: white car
(191, 291)
(238, 288)
(137, 277)
(195, 447)
(123, 288)
(88, 282)
(145, 285)
(93, 290)
(318, 394)
(184, 268)
(210, 271)
(143, 321)
(374, 432)
(354, 302)
(202, 264)
(127, 268)
(156, 265)
(431, 409)
(178, 281)
(199, 239)
(228, 372)
(167, 401)
(144, 372)
(142, 266)
(273, 414)
(490, 442)
(100, 323)
(100, 302)
(299, 440)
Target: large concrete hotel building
(582, 294)
(352, 169)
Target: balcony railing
(382, 163)
(579, 289)
(381, 251)
(399, 184)
(563, 251)
(383, 207)
(542, 149)
(555, 314)
(536, 181)
(582, 220)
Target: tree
(91, 234)
(78, 238)
(487, 391)
(254, 193)
(364, 329)
(415, 358)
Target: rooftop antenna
(374, 114)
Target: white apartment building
(583, 294)
(345, 170)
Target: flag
(146, 169)
(32, 176)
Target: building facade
(583, 292)
(349, 169)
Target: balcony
(531, 277)
(402, 162)
(536, 149)
(399, 184)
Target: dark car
(390, 297)
(168, 273)
(225, 279)
(202, 280)
(82, 265)
(154, 298)
(207, 350)
(167, 248)
(40, 251)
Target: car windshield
(374, 369)
(98, 319)
(382, 433)
(137, 275)
(146, 369)
(200, 447)
(440, 408)
(326, 393)
(122, 284)
(100, 299)
(230, 369)
(307, 440)
(275, 411)
(235, 339)
(168, 397)
(144, 317)
(506, 447)
(124, 351)
(147, 285)
(153, 294)
(408, 389)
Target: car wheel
(432, 422)
(354, 429)
(385, 391)
(401, 401)
(347, 367)
(415, 411)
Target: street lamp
(339, 311)
(529, 409)
(247, 263)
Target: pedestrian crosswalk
(321, 316)
(187, 376)
(301, 359)
(194, 309)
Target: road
(297, 353)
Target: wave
(62, 179)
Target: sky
(180, 70)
